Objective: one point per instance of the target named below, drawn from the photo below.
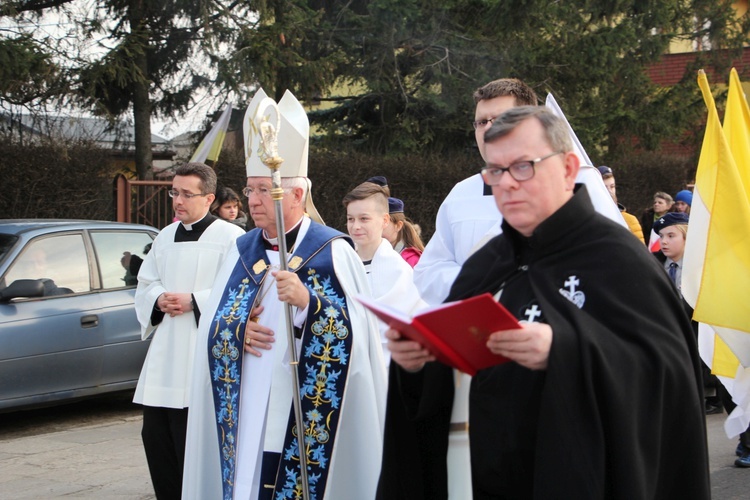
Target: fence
(143, 202)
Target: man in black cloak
(602, 396)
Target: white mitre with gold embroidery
(293, 131)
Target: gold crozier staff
(270, 157)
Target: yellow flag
(724, 362)
(737, 132)
(717, 252)
(210, 146)
(737, 129)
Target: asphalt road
(93, 411)
(86, 450)
(92, 449)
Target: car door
(118, 255)
(49, 344)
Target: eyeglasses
(263, 192)
(482, 123)
(173, 193)
(521, 171)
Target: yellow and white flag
(210, 146)
(737, 129)
(716, 271)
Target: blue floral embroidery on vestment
(323, 367)
(325, 359)
(225, 353)
(323, 287)
(292, 485)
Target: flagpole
(270, 157)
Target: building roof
(116, 135)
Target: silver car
(67, 322)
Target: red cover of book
(455, 332)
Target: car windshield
(6, 243)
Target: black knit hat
(670, 219)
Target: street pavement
(102, 457)
(97, 458)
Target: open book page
(391, 311)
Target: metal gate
(143, 202)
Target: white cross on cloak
(571, 283)
(532, 313)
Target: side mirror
(22, 288)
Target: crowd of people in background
(546, 422)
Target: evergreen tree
(149, 56)
(155, 65)
(393, 76)
(400, 73)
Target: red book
(455, 332)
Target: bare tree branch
(18, 6)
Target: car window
(6, 243)
(120, 255)
(60, 260)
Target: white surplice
(465, 217)
(184, 267)
(392, 283)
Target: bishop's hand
(257, 336)
(291, 290)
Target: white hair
(288, 183)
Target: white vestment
(265, 397)
(391, 282)
(464, 218)
(184, 267)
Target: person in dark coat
(228, 206)
(602, 397)
(663, 203)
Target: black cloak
(619, 411)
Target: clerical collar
(193, 232)
(291, 238)
(200, 225)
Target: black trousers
(163, 434)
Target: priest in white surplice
(174, 282)
(241, 443)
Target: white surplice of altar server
(241, 433)
(174, 282)
(390, 276)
